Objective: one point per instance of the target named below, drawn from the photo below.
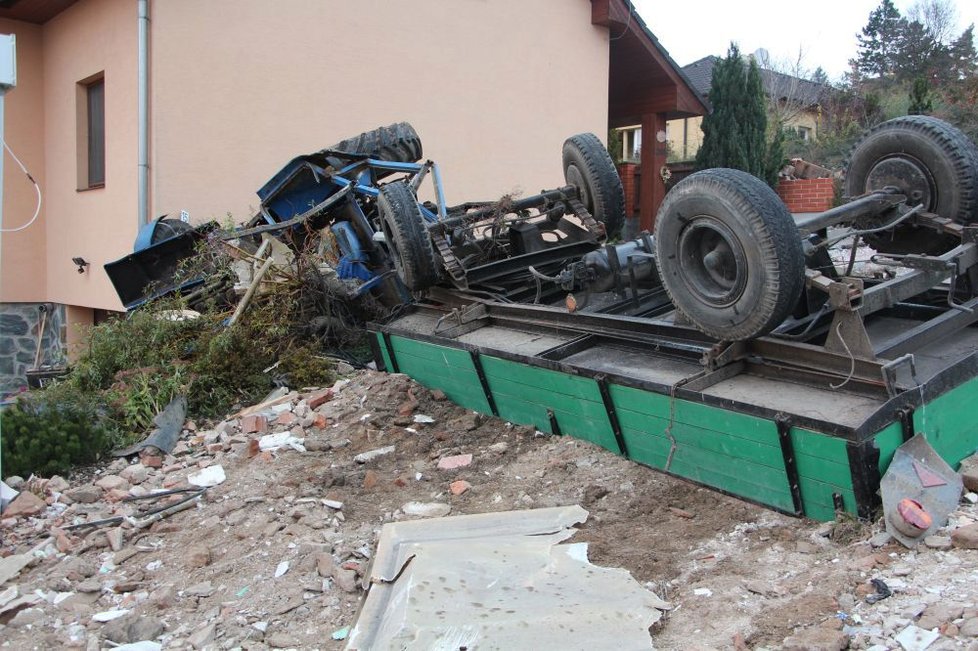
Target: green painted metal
(949, 424)
(523, 394)
(735, 452)
(440, 367)
(888, 440)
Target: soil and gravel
(272, 556)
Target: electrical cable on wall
(37, 188)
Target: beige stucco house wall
(239, 87)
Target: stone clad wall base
(19, 329)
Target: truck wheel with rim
(588, 167)
(406, 235)
(729, 254)
(927, 159)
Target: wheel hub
(907, 174)
(712, 261)
(575, 178)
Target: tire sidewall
(892, 143)
(724, 322)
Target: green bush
(133, 367)
(49, 432)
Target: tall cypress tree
(753, 120)
(734, 134)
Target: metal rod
(871, 204)
(488, 210)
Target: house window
(805, 133)
(90, 103)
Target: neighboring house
(793, 102)
(236, 88)
(797, 107)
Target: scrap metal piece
(498, 580)
(168, 423)
(919, 490)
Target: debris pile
(260, 530)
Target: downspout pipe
(142, 91)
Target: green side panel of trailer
(823, 471)
(529, 395)
(733, 452)
(888, 440)
(949, 423)
(440, 367)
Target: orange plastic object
(912, 519)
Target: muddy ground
(737, 575)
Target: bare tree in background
(940, 17)
(788, 86)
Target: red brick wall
(629, 182)
(807, 195)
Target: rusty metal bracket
(890, 370)
(462, 320)
(848, 336)
(723, 353)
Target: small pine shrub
(49, 432)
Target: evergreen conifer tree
(734, 134)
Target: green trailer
(727, 347)
(639, 388)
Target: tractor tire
(729, 254)
(398, 143)
(408, 242)
(588, 167)
(931, 162)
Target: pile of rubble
(92, 563)
(258, 532)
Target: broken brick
(26, 503)
(453, 462)
(319, 398)
(459, 487)
(285, 418)
(256, 423)
(151, 460)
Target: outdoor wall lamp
(82, 263)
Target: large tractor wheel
(588, 167)
(931, 162)
(729, 254)
(408, 242)
(398, 143)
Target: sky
(825, 32)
